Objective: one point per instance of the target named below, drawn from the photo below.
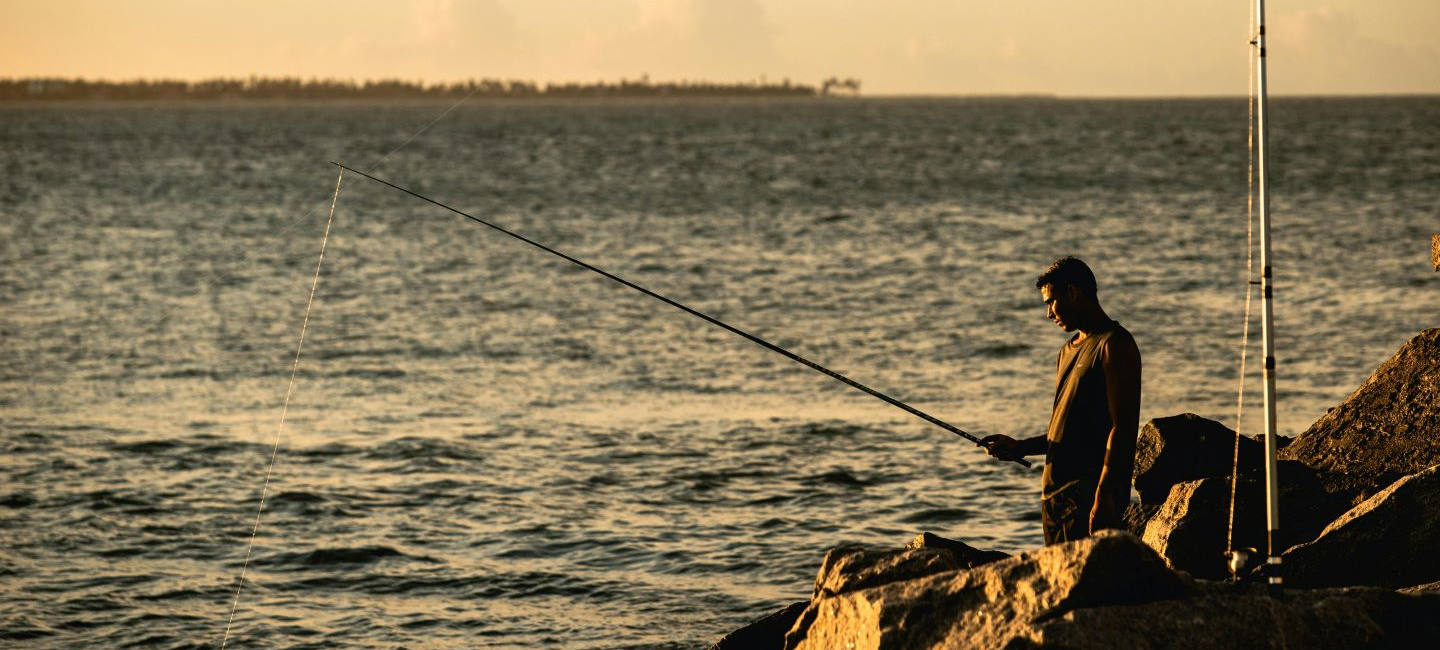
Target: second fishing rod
(696, 313)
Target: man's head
(1068, 290)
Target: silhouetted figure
(1089, 446)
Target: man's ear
(1074, 294)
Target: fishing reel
(1242, 563)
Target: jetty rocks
(1360, 514)
(1388, 428)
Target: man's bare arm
(1006, 448)
(1034, 446)
(1121, 359)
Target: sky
(960, 47)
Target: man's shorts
(1065, 512)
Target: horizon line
(504, 89)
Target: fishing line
(213, 277)
(1250, 283)
(242, 253)
(284, 411)
(693, 312)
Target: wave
(837, 477)
(194, 373)
(369, 373)
(324, 354)
(328, 450)
(1002, 350)
(24, 629)
(146, 446)
(831, 429)
(21, 499)
(411, 448)
(937, 515)
(106, 499)
(339, 557)
(299, 498)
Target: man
(1090, 445)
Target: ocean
(488, 447)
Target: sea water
(488, 447)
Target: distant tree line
(294, 88)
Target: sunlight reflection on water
(488, 448)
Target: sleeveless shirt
(1080, 420)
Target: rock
(1427, 588)
(1388, 428)
(1388, 540)
(850, 568)
(994, 604)
(1188, 447)
(1338, 619)
(1108, 591)
(767, 633)
(1137, 515)
(967, 556)
(1189, 530)
(847, 569)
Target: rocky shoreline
(1360, 493)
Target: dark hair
(1068, 272)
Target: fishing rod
(698, 314)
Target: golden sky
(1067, 47)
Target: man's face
(1059, 305)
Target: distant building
(836, 86)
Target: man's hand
(1002, 446)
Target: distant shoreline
(273, 91)
(48, 89)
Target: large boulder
(1190, 529)
(766, 633)
(846, 569)
(1138, 515)
(1225, 619)
(1388, 428)
(991, 605)
(1188, 447)
(1427, 588)
(849, 568)
(1388, 540)
(1104, 592)
(966, 556)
